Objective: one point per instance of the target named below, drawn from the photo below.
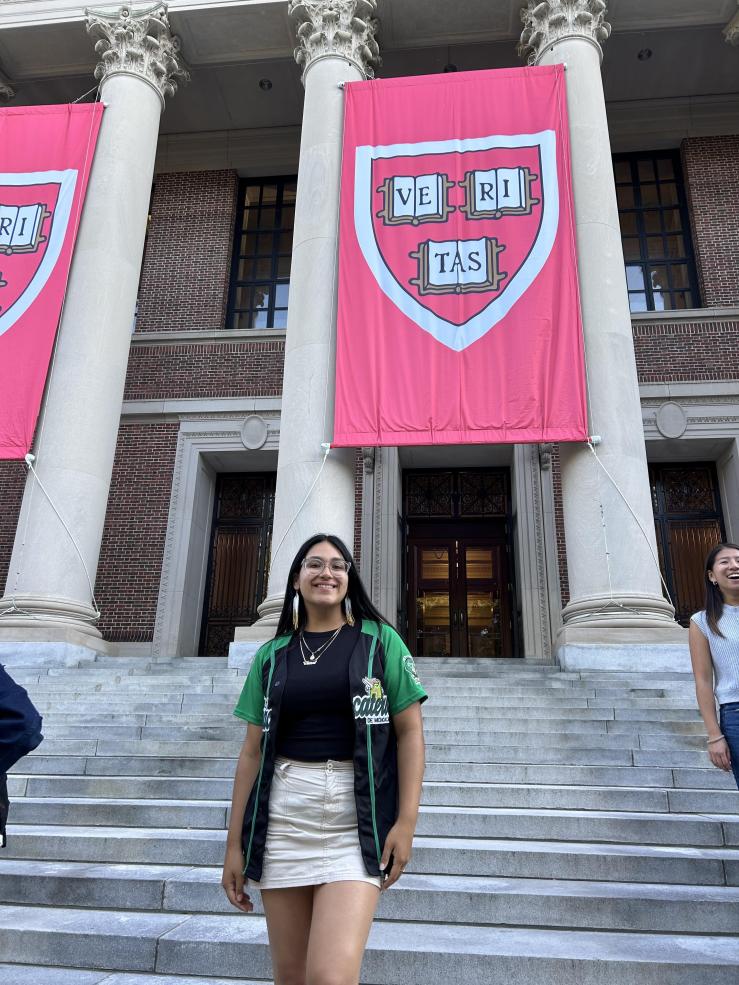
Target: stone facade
(185, 369)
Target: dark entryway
(688, 521)
(459, 591)
(239, 556)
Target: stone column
(615, 589)
(336, 44)
(47, 595)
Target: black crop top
(316, 721)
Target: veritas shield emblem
(456, 231)
(34, 215)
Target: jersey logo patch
(266, 715)
(372, 705)
(409, 667)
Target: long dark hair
(362, 607)
(714, 599)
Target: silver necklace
(311, 657)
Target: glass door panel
(459, 597)
(433, 608)
(433, 624)
(483, 575)
(483, 624)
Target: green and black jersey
(383, 682)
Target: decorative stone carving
(138, 43)
(337, 28)
(368, 458)
(671, 420)
(7, 92)
(731, 31)
(549, 21)
(254, 432)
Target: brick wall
(127, 584)
(12, 482)
(222, 369)
(559, 524)
(187, 261)
(358, 494)
(711, 172)
(670, 352)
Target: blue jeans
(729, 723)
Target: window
(660, 271)
(260, 272)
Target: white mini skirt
(312, 831)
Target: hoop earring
(348, 610)
(296, 610)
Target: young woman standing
(328, 782)
(714, 652)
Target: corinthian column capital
(336, 28)
(7, 92)
(138, 43)
(731, 31)
(549, 21)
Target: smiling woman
(714, 652)
(328, 783)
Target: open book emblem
(34, 215)
(455, 231)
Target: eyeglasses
(336, 565)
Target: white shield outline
(457, 337)
(67, 181)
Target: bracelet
(717, 739)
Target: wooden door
(238, 565)
(459, 590)
(459, 597)
(688, 522)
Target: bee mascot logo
(372, 705)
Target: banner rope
(29, 463)
(593, 439)
(52, 364)
(637, 521)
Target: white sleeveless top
(724, 652)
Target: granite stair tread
(398, 952)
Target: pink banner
(458, 313)
(45, 158)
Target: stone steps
(474, 821)
(71, 799)
(398, 952)
(500, 857)
(451, 899)
(571, 830)
(15, 974)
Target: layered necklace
(311, 657)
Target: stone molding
(549, 21)
(336, 29)
(176, 626)
(138, 43)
